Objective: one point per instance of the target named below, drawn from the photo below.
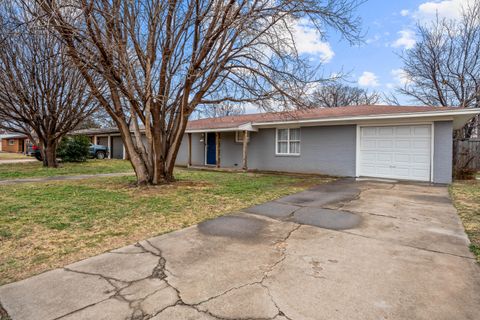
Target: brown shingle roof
(316, 113)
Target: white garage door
(397, 152)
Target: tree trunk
(49, 153)
(144, 177)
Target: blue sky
(389, 29)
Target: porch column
(95, 139)
(245, 150)
(189, 163)
(109, 147)
(217, 141)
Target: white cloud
(404, 12)
(251, 108)
(400, 76)
(406, 39)
(368, 79)
(375, 38)
(450, 9)
(309, 41)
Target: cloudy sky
(389, 27)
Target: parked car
(95, 151)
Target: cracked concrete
(403, 255)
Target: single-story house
(13, 142)
(393, 142)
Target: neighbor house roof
(317, 115)
(12, 136)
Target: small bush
(74, 149)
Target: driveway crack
(3, 313)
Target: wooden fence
(466, 154)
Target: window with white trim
(288, 141)
(11, 142)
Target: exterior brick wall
(16, 147)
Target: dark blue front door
(211, 148)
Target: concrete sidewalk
(346, 250)
(12, 161)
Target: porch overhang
(243, 127)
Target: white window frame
(11, 142)
(288, 142)
(239, 136)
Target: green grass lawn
(36, 170)
(466, 197)
(50, 224)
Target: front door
(211, 147)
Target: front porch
(219, 144)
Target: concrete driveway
(346, 250)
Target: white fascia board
(435, 115)
(243, 127)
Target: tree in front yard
(41, 94)
(151, 63)
(443, 69)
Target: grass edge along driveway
(466, 198)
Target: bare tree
(41, 95)
(338, 94)
(443, 69)
(159, 60)
(220, 110)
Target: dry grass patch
(12, 156)
(466, 196)
(48, 225)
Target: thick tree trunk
(144, 177)
(49, 153)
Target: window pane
(282, 147)
(294, 147)
(294, 134)
(282, 134)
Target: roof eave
(243, 127)
(460, 117)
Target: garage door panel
(398, 152)
(384, 157)
(402, 157)
(403, 131)
(420, 131)
(369, 144)
(381, 144)
(369, 156)
(383, 170)
(419, 173)
(401, 171)
(369, 132)
(402, 144)
(386, 131)
(425, 159)
(421, 144)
